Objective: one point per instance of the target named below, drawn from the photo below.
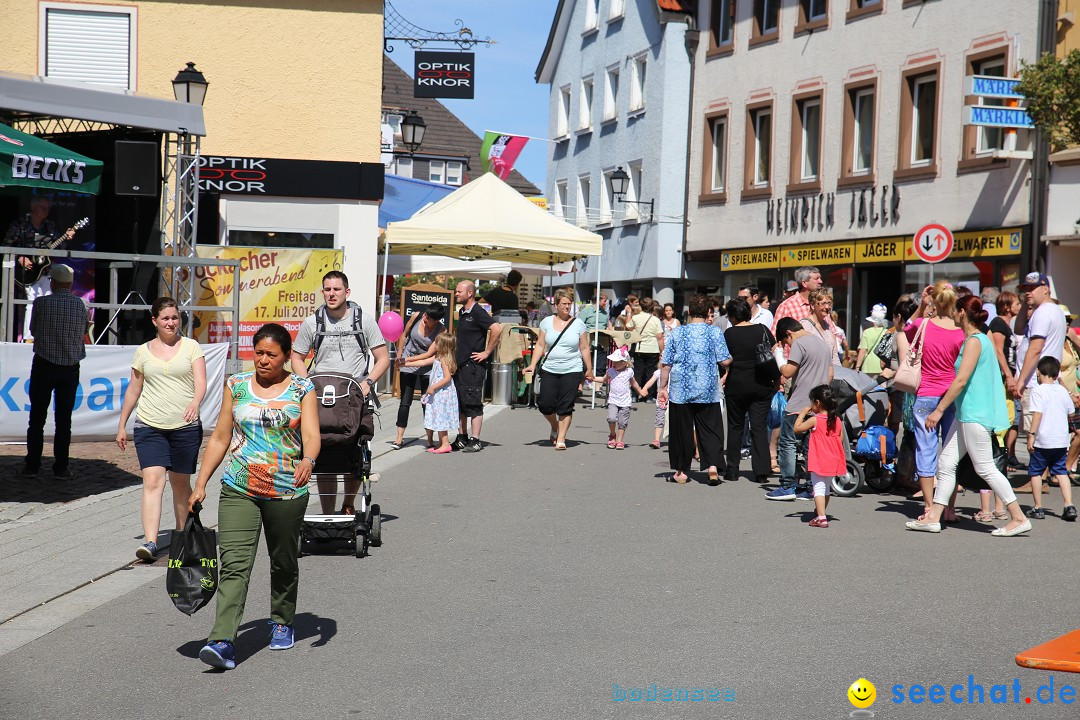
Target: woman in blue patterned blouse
(690, 377)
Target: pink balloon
(391, 325)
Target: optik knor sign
(444, 75)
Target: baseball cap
(62, 273)
(1033, 280)
(791, 286)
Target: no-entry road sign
(933, 243)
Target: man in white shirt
(1044, 337)
(752, 295)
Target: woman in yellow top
(168, 381)
(647, 353)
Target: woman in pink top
(940, 343)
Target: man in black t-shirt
(477, 336)
(505, 297)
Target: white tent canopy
(486, 219)
(414, 264)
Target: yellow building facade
(288, 78)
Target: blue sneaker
(781, 493)
(281, 638)
(220, 654)
(147, 551)
(804, 494)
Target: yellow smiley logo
(862, 693)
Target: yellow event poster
(281, 285)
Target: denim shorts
(926, 442)
(1043, 458)
(175, 450)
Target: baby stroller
(346, 424)
(864, 407)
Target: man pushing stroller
(343, 338)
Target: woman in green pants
(269, 428)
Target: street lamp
(413, 128)
(189, 85)
(620, 183)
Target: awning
(29, 161)
(34, 96)
(403, 197)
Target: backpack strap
(357, 332)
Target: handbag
(885, 348)
(971, 480)
(192, 577)
(763, 352)
(909, 374)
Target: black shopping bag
(192, 577)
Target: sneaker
(147, 551)
(61, 474)
(1014, 462)
(744, 454)
(460, 442)
(1036, 513)
(804, 494)
(220, 654)
(472, 447)
(281, 637)
(1069, 514)
(781, 493)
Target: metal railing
(8, 301)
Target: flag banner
(103, 379)
(499, 152)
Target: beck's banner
(103, 379)
(444, 75)
(281, 285)
(499, 152)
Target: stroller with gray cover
(346, 425)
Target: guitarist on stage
(33, 231)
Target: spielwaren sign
(444, 75)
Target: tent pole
(385, 264)
(596, 326)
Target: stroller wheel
(361, 542)
(878, 477)
(376, 526)
(849, 484)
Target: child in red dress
(826, 458)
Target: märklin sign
(444, 75)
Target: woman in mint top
(268, 436)
(979, 396)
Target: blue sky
(507, 96)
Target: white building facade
(619, 73)
(827, 132)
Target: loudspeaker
(137, 168)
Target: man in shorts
(341, 348)
(477, 336)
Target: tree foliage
(1052, 89)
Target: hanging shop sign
(755, 259)
(992, 86)
(444, 75)
(994, 116)
(291, 178)
(880, 250)
(987, 243)
(839, 253)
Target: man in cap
(58, 325)
(790, 288)
(1044, 337)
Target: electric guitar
(29, 275)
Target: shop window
(562, 120)
(611, 94)
(585, 97)
(759, 141)
(813, 15)
(88, 43)
(721, 27)
(918, 122)
(714, 157)
(766, 25)
(280, 238)
(454, 170)
(637, 83)
(980, 143)
(560, 199)
(584, 194)
(862, 8)
(857, 153)
(806, 143)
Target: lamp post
(413, 128)
(189, 85)
(620, 183)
